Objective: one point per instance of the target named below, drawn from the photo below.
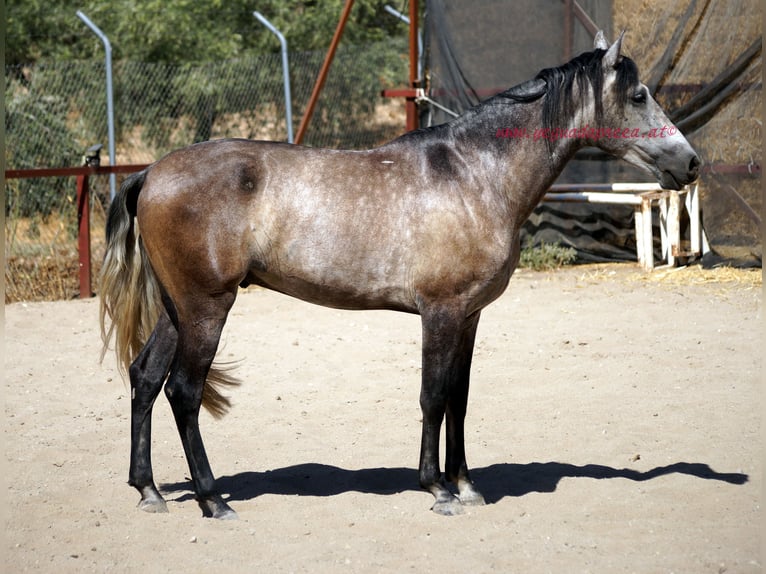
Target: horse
(427, 223)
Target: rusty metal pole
(568, 30)
(323, 72)
(412, 107)
(83, 236)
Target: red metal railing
(83, 200)
(82, 174)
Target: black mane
(557, 85)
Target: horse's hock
(643, 197)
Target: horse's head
(633, 126)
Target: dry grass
(41, 259)
(697, 275)
(51, 277)
(673, 276)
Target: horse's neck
(526, 164)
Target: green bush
(546, 256)
(37, 135)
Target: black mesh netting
(700, 59)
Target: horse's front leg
(456, 467)
(448, 340)
(147, 373)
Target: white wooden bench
(643, 196)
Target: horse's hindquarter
(346, 229)
(190, 217)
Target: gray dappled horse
(428, 223)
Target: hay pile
(724, 277)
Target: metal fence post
(396, 14)
(109, 98)
(285, 74)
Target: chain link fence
(56, 110)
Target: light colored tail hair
(131, 301)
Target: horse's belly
(339, 293)
(386, 261)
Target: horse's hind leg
(199, 330)
(147, 373)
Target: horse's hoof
(469, 496)
(448, 506)
(226, 515)
(153, 505)
(472, 499)
(215, 507)
(151, 500)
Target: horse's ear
(613, 53)
(599, 42)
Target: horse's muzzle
(677, 179)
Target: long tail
(131, 301)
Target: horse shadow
(496, 481)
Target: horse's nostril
(694, 163)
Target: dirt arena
(614, 425)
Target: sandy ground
(613, 426)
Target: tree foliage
(179, 31)
(184, 71)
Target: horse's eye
(639, 97)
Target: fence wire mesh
(56, 110)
